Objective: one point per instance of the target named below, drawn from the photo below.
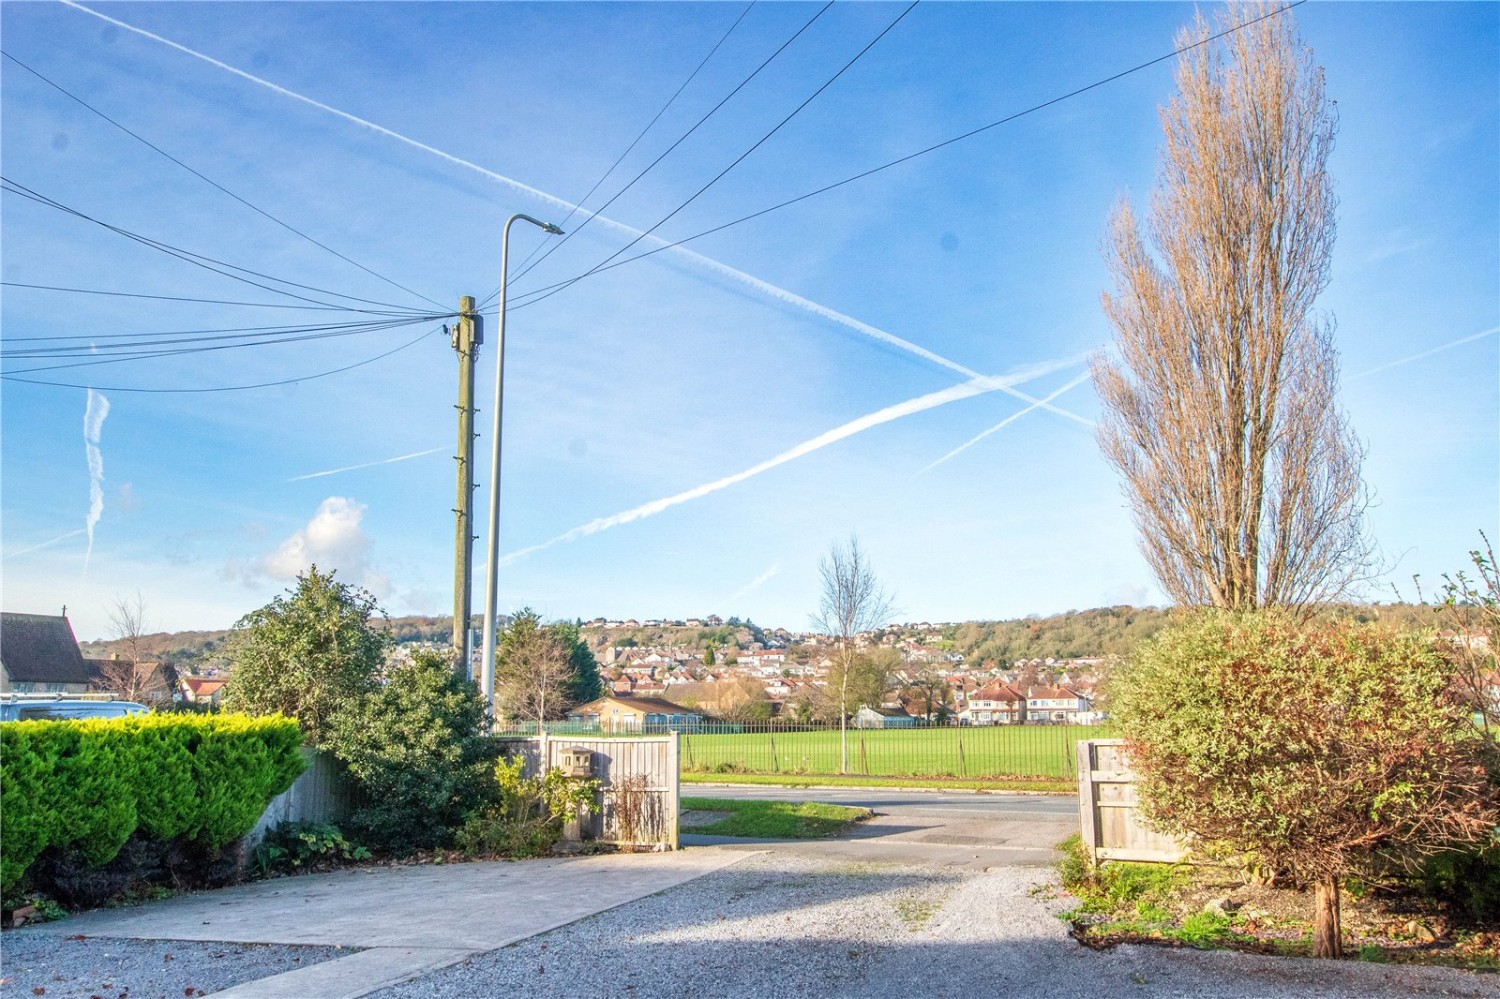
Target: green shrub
(1315, 748)
(1467, 880)
(85, 787)
(294, 846)
(416, 748)
(307, 653)
(527, 818)
(1117, 888)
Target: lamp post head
(551, 229)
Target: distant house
(153, 683)
(1058, 706)
(637, 714)
(202, 690)
(995, 704)
(883, 718)
(39, 655)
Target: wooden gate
(1107, 808)
(619, 764)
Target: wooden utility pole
(468, 334)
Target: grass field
(774, 819)
(1024, 785)
(963, 753)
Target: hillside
(1101, 631)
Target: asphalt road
(967, 830)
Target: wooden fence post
(1087, 810)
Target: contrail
(764, 287)
(94, 412)
(954, 393)
(368, 464)
(45, 544)
(1428, 353)
(1007, 422)
(769, 574)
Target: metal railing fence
(779, 747)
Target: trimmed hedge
(87, 786)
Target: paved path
(409, 920)
(926, 827)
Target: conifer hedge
(87, 786)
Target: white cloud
(332, 539)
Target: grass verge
(1034, 785)
(775, 819)
(1213, 908)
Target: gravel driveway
(779, 924)
(37, 964)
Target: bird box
(576, 761)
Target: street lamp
(492, 568)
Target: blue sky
(760, 352)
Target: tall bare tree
(1220, 406)
(852, 601)
(532, 671)
(126, 672)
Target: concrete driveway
(944, 828)
(405, 920)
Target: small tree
(852, 601)
(1471, 612)
(1319, 750)
(127, 672)
(583, 684)
(307, 653)
(532, 670)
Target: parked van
(23, 708)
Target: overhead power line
(211, 182)
(537, 294)
(90, 343)
(206, 344)
(680, 140)
(224, 388)
(739, 159)
(197, 259)
(175, 298)
(553, 244)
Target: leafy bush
(293, 846)
(527, 818)
(417, 749)
(1118, 888)
(306, 654)
(85, 788)
(1315, 748)
(1468, 880)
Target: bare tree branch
(1221, 408)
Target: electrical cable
(197, 259)
(537, 294)
(213, 183)
(223, 388)
(741, 158)
(139, 355)
(175, 298)
(90, 342)
(556, 245)
(628, 149)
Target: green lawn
(964, 753)
(774, 819)
(1032, 785)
